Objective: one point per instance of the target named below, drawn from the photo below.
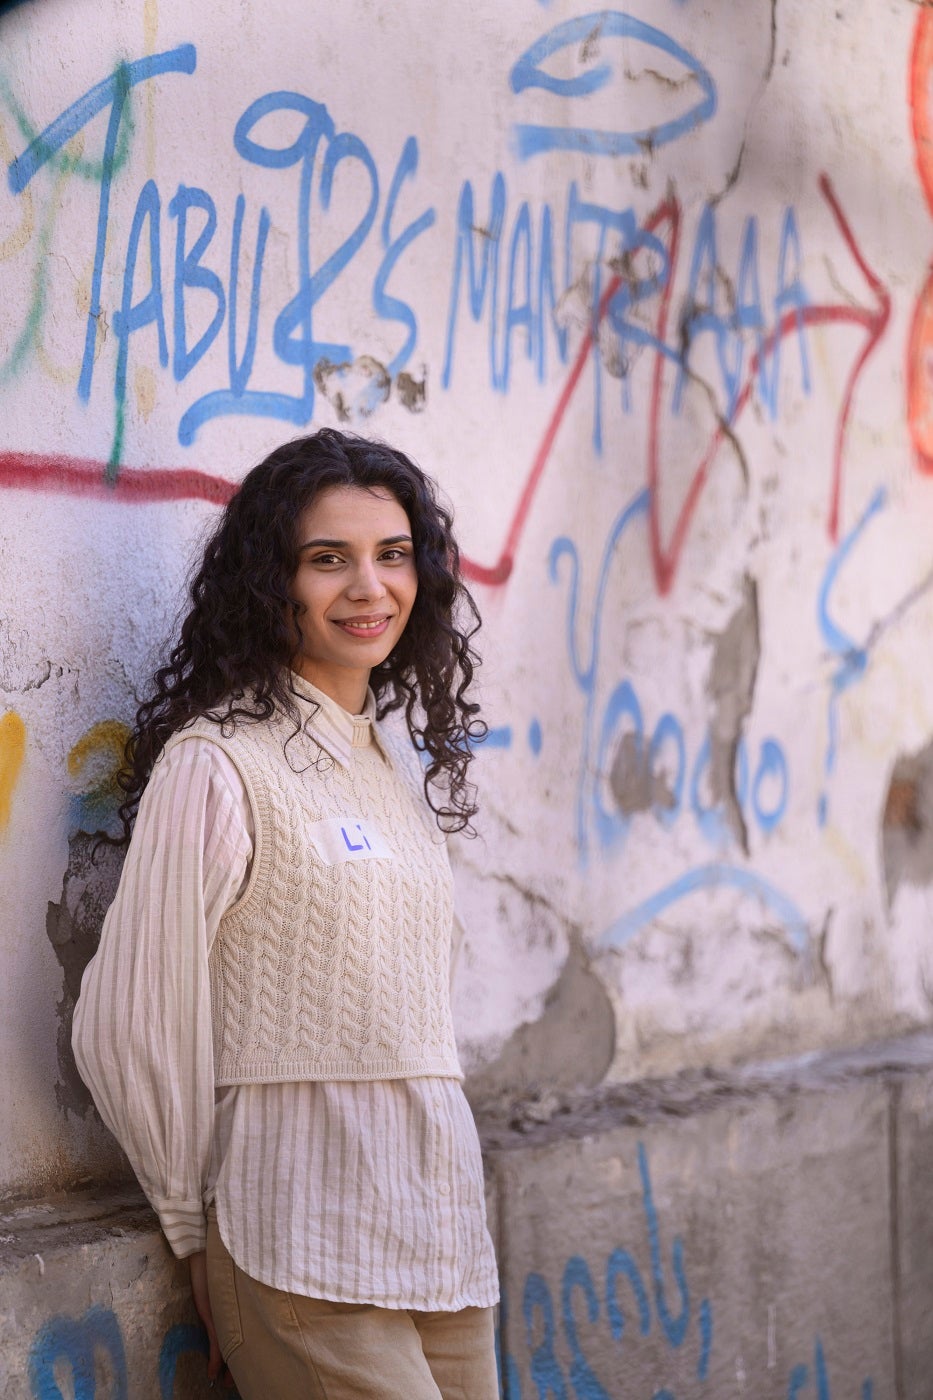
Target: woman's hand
(197, 1264)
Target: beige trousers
(282, 1346)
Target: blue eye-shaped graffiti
(532, 140)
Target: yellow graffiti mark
(847, 855)
(18, 239)
(65, 375)
(59, 374)
(150, 35)
(144, 386)
(95, 759)
(12, 752)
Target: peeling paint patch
(570, 1046)
(20, 669)
(731, 689)
(12, 753)
(357, 390)
(907, 823)
(633, 785)
(73, 928)
(663, 80)
(354, 390)
(412, 392)
(589, 49)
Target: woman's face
(356, 583)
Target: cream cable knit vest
(334, 964)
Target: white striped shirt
(356, 1192)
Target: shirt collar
(333, 727)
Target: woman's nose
(366, 582)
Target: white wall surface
(684, 433)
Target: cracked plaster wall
(679, 409)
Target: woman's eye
(394, 554)
(326, 559)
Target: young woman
(266, 1026)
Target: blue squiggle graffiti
(799, 1378)
(552, 1332)
(769, 787)
(532, 140)
(577, 1283)
(76, 1341)
(183, 1337)
(709, 877)
(586, 673)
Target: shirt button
(443, 1189)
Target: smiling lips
(363, 626)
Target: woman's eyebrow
(344, 544)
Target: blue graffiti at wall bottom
(84, 1347)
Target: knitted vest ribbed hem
(338, 1071)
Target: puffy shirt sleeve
(142, 1025)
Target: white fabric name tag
(348, 838)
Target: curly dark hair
(239, 635)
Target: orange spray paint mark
(921, 100)
(919, 369)
(920, 378)
(12, 752)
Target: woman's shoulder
(207, 742)
(197, 745)
(250, 744)
(198, 737)
(191, 772)
(230, 724)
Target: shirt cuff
(184, 1224)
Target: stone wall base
(765, 1234)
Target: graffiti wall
(648, 290)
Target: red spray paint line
(665, 559)
(82, 476)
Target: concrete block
(741, 1251)
(913, 1234)
(93, 1305)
